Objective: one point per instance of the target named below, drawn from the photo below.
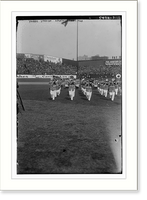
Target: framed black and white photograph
(71, 113)
(69, 94)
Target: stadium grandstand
(31, 64)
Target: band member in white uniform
(105, 89)
(101, 88)
(116, 87)
(83, 88)
(71, 91)
(53, 91)
(58, 89)
(98, 87)
(88, 91)
(112, 91)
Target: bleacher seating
(35, 67)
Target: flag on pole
(65, 22)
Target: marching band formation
(106, 88)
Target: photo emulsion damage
(69, 94)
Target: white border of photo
(126, 181)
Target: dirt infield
(68, 137)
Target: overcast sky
(101, 37)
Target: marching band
(108, 89)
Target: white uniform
(105, 90)
(88, 92)
(112, 92)
(71, 91)
(116, 89)
(53, 92)
(101, 89)
(98, 87)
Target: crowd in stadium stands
(100, 70)
(35, 67)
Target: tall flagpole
(77, 51)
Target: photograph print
(69, 95)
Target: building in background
(27, 55)
(34, 56)
(97, 57)
(85, 57)
(52, 59)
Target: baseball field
(68, 137)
